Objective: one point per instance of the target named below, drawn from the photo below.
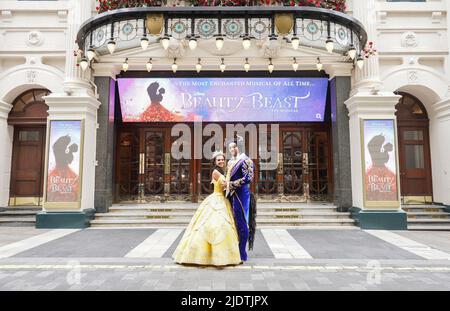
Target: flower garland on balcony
(109, 5)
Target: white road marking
(156, 244)
(409, 245)
(283, 245)
(26, 244)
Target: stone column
(442, 113)
(340, 92)
(6, 137)
(77, 102)
(368, 77)
(441, 130)
(104, 172)
(368, 101)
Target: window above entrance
(410, 108)
(29, 107)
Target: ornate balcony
(127, 24)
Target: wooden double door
(415, 163)
(414, 150)
(147, 171)
(304, 167)
(27, 169)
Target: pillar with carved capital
(368, 77)
(76, 80)
(369, 102)
(78, 102)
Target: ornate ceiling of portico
(281, 52)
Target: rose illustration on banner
(380, 174)
(156, 111)
(63, 174)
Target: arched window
(410, 108)
(29, 107)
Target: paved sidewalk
(283, 259)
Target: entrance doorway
(29, 117)
(146, 170)
(414, 151)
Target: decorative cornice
(379, 105)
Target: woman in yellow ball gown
(211, 237)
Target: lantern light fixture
(246, 42)
(271, 67)
(295, 65)
(84, 63)
(329, 45)
(352, 52)
(174, 65)
(198, 66)
(222, 66)
(219, 43)
(192, 43)
(360, 62)
(149, 65)
(319, 64)
(91, 53)
(144, 43)
(125, 65)
(295, 41)
(111, 46)
(165, 42)
(246, 65)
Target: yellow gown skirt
(211, 237)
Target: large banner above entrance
(223, 99)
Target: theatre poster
(63, 164)
(380, 162)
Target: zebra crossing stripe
(283, 245)
(26, 244)
(156, 244)
(409, 245)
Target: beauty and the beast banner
(380, 177)
(63, 169)
(223, 99)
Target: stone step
(185, 222)
(428, 213)
(423, 208)
(22, 208)
(429, 227)
(428, 216)
(429, 220)
(193, 209)
(17, 221)
(261, 215)
(8, 213)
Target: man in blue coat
(240, 170)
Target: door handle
(141, 163)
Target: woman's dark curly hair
(215, 166)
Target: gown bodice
(218, 188)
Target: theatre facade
(149, 92)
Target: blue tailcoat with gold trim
(240, 175)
